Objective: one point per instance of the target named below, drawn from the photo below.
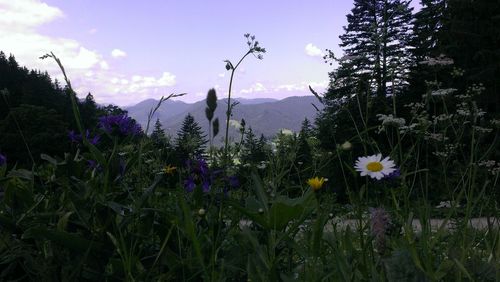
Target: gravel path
(480, 223)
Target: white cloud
(26, 14)
(104, 65)
(117, 53)
(256, 87)
(86, 68)
(313, 51)
(221, 75)
(302, 86)
(142, 84)
(92, 31)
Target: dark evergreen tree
(472, 40)
(190, 139)
(375, 43)
(426, 44)
(158, 136)
(304, 157)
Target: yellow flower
(169, 169)
(316, 183)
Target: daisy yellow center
(374, 166)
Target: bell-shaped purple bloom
(189, 184)
(393, 175)
(233, 181)
(3, 160)
(122, 124)
(205, 186)
(74, 137)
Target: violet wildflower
(189, 184)
(3, 160)
(393, 175)
(205, 186)
(92, 140)
(122, 124)
(93, 164)
(233, 181)
(74, 137)
(380, 222)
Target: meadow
(391, 183)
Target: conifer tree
(375, 44)
(158, 135)
(304, 150)
(190, 139)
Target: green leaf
(63, 221)
(48, 158)
(71, 241)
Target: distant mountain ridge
(264, 115)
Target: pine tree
(304, 157)
(190, 139)
(375, 44)
(472, 41)
(158, 135)
(426, 43)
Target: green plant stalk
(229, 109)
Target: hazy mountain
(265, 116)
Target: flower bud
(201, 212)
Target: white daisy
(374, 166)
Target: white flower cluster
(442, 60)
(443, 92)
(390, 120)
(483, 130)
(492, 166)
(457, 72)
(449, 150)
(435, 137)
(441, 117)
(476, 89)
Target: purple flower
(205, 186)
(74, 137)
(380, 222)
(94, 140)
(233, 181)
(393, 175)
(122, 124)
(189, 184)
(3, 160)
(93, 164)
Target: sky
(125, 51)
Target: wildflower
(380, 222)
(169, 169)
(189, 184)
(201, 212)
(374, 166)
(205, 186)
(346, 146)
(393, 175)
(233, 181)
(3, 160)
(74, 137)
(443, 92)
(123, 124)
(93, 164)
(316, 183)
(94, 140)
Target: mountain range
(265, 116)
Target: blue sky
(127, 51)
